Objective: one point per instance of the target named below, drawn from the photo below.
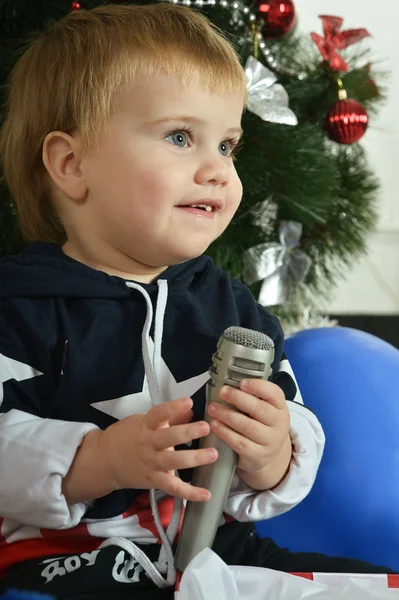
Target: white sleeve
(35, 455)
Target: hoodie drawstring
(165, 563)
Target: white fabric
(207, 577)
(35, 454)
(246, 504)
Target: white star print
(140, 402)
(13, 369)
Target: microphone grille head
(248, 338)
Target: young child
(118, 148)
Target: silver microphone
(241, 354)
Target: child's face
(165, 148)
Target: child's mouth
(198, 210)
(204, 208)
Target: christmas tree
(309, 194)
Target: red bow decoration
(335, 39)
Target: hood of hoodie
(43, 270)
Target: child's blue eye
(224, 148)
(179, 138)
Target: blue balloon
(350, 379)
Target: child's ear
(62, 159)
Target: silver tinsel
(266, 98)
(279, 266)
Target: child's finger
(176, 487)
(243, 446)
(160, 415)
(259, 410)
(179, 434)
(182, 418)
(265, 390)
(184, 459)
(250, 428)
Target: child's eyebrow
(190, 119)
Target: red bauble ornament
(76, 5)
(276, 17)
(346, 121)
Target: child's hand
(260, 436)
(139, 450)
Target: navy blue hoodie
(71, 360)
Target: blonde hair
(70, 76)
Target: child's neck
(113, 265)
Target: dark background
(384, 327)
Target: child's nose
(213, 170)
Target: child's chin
(180, 257)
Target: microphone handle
(217, 478)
